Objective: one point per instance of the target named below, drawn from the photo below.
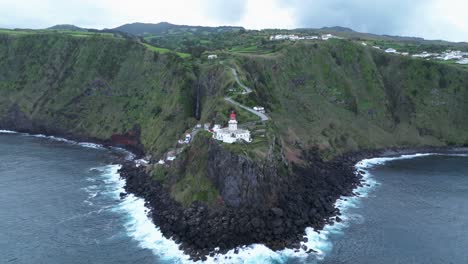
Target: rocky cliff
(327, 100)
(102, 88)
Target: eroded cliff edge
(327, 100)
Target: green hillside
(94, 87)
(331, 96)
(338, 96)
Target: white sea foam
(141, 228)
(7, 132)
(53, 138)
(128, 155)
(91, 145)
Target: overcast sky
(431, 19)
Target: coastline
(175, 222)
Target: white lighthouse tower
(233, 122)
(231, 133)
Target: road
(247, 90)
(262, 116)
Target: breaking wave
(141, 228)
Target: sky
(431, 19)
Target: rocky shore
(202, 231)
(307, 201)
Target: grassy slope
(97, 86)
(339, 96)
(334, 95)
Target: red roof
(233, 115)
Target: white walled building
(260, 109)
(231, 133)
(212, 57)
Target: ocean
(60, 203)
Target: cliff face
(338, 96)
(325, 99)
(243, 181)
(94, 87)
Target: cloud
(39, 14)
(443, 19)
(440, 19)
(384, 16)
(226, 11)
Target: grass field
(163, 50)
(24, 32)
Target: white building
(212, 57)
(260, 109)
(390, 50)
(188, 138)
(231, 133)
(425, 54)
(327, 36)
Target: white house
(329, 36)
(390, 50)
(260, 109)
(188, 138)
(231, 133)
(425, 54)
(212, 57)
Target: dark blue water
(418, 214)
(59, 203)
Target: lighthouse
(232, 133)
(233, 122)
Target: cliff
(101, 88)
(326, 101)
(339, 96)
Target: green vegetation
(22, 32)
(191, 182)
(332, 96)
(337, 96)
(96, 87)
(163, 50)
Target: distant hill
(67, 27)
(337, 29)
(142, 29)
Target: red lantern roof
(233, 115)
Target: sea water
(60, 203)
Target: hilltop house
(260, 109)
(231, 133)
